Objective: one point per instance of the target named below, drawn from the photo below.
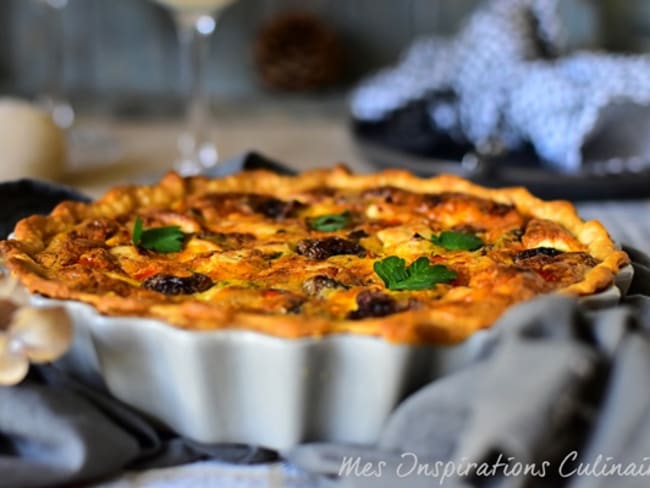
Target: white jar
(31, 145)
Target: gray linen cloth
(556, 386)
(54, 430)
(553, 375)
(505, 80)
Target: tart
(418, 261)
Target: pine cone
(296, 51)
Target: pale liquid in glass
(196, 5)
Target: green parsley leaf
(420, 275)
(457, 241)
(391, 270)
(331, 222)
(137, 231)
(159, 239)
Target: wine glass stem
(195, 145)
(54, 97)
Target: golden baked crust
(252, 258)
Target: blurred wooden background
(127, 48)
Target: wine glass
(195, 20)
(53, 99)
(88, 145)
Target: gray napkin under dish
(554, 380)
(54, 430)
(503, 82)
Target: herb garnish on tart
(160, 239)
(457, 241)
(388, 254)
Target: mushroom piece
(28, 333)
(13, 362)
(43, 333)
(7, 310)
(11, 289)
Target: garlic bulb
(43, 333)
(32, 145)
(7, 310)
(11, 289)
(13, 362)
(28, 333)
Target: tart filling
(388, 254)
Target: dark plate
(426, 153)
(249, 161)
(26, 197)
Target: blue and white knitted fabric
(512, 84)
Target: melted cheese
(252, 245)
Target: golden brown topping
(373, 304)
(545, 233)
(330, 246)
(314, 285)
(391, 194)
(561, 268)
(228, 241)
(537, 251)
(223, 204)
(355, 235)
(259, 248)
(273, 208)
(177, 285)
(96, 230)
(454, 200)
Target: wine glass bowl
(196, 21)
